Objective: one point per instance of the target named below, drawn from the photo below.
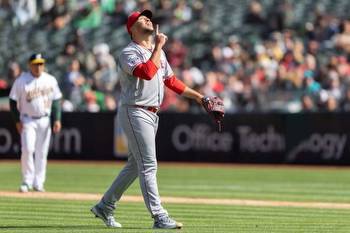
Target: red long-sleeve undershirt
(175, 84)
(145, 70)
(148, 70)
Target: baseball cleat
(108, 219)
(37, 189)
(24, 188)
(165, 222)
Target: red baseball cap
(134, 16)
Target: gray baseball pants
(140, 127)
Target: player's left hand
(215, 108)
(57, 126)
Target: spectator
(182, 13)
(110, 103)
(233, 92)
(119, 15)
(108, 6)
(213, 86)
(95, 101)
(308, 104)
(45, 6)
(67, 55)
(144, 5)
(164, 12)
(197, 10)
(177, 53)
(284, 80)
(342, 40)
(14, 71)
(25, 11)
(281, 16)
(345, 102)
(4, 93)
(90, 103)
(310, 85)
(6, 12)
(331, 104)
(73, 83)
(254, 15)
(56, 7)
(343, 69)
(105, 76)
(59, 11)
(90, 17)
(334, 87)
(319, 28)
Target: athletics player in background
(32, 97)
(144, 71)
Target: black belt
(149, 108)
(35, 117)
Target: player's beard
(148, 31)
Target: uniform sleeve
(175, 84)
(14, 110)
(15, 92)
(145, 70)
(56, 90)
(56, 110)
(128, 60)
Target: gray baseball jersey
(138, 91)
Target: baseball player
(144, 72)
(32, 97)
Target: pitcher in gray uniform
(144, 71)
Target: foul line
(177, 200)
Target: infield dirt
(178, 200)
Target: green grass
(23, 215)
(263, 183)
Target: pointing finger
(157, 29)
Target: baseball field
(205, 198)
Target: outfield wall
(313, 138)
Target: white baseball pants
(35, 140)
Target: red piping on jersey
(145, 70)
(175, 84)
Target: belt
(35, 117)
(149, 108)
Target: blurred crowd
(280, 63)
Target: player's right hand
(160, 38)
(19, 127)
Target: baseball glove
(215, 108)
